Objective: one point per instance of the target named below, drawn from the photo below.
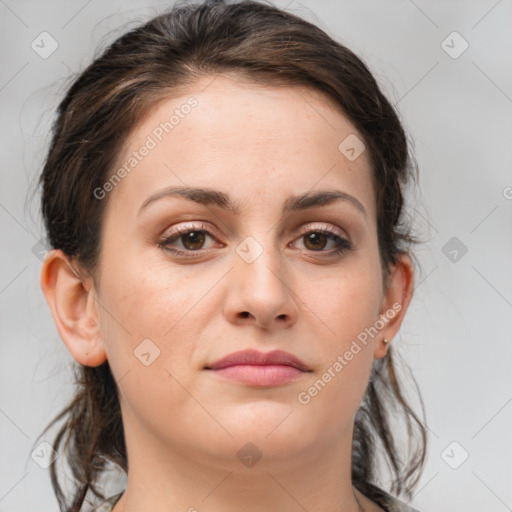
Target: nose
(260, 292)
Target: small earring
(386, 341)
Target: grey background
(456, 337)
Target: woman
(223, 195)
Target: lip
(255, 368)
(254, 357)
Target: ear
(395, 302)
(73, 307)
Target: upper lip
(254, 357)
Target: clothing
(386, 501)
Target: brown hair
(262, 44)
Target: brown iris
(191, 239)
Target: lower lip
(260, 375)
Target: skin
(183, 424)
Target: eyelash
(343, 244)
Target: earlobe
(73, 308)
(396, 300)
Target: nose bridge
(260, 264)
(260, 287)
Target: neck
(163, 478)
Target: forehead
(241, 137)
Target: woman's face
(278, 253)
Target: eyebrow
(222, 200)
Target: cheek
(348, 303)
(148, 297)
(168, 305)
(348, 308)
(147, 324)
(139, 303)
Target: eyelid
(306, 228)
(191, 226)
(204, 226)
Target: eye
(315, 240)
(191, 237)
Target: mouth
(254, 368)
